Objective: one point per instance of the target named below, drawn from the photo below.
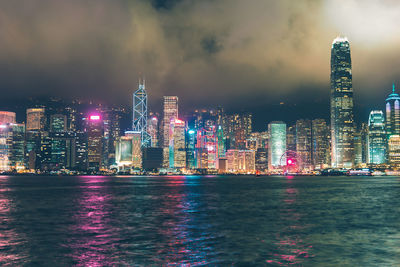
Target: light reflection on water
(182, 246)
(175, 221)
(292, 249)
(92, 236)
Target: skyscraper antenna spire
(142, 79)
(393, 88)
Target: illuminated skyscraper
(177, 152)
(58, 123)
(393, 113)
(191, 149)
(95, 132)
(303, 144)
(207, 145)
(394, 150)
(238, 128)
(221, 142)
(342, 117)
(376, 138)
(320, 144)
(7, 117)
(128, 150)
(12, 147)
(242, 161)
(276, 144)
(170, 113)
(291, 138)
(17, 146)
(140, 114)
(152, 128)
(35, 119)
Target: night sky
(244, 55)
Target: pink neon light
(178, 121)
(94, 117)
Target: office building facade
(342, 117)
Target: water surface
(124, 221)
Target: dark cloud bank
(245, 55)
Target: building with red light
(95, 133)
(7, 117)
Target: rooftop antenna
(141, 79)
(393, 88)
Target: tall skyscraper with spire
(342, 116)
(140, 113)
(393, 113)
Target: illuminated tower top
(393, 113)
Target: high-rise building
(35, 119)
(238, 128)
(393, 113)
(136, 148)
(72, 114)
(342, 117)
(140, 114)
(127, 149)
(191, 149)
(81, 151)
(12, 147)
(320, 144)
(32, 149)
(152, 158)
(394, 150)
(207, 146)
(291, 138)
(112, 134)
(261, 159)
(170, 113)
(7, 117)
(376, 138)
(95, 132)
(58, 123)
(242, 161)
(364, 142)
(221, 142)
(152, 128)
(304, 144)
(276, 144)
(357, 149)
(177, 152)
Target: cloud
(230, 52)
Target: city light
(94, 117)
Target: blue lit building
(393, 113)
(376, 138)
(276, 144)
(140, 114)
(191, 149)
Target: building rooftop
(340, 39)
